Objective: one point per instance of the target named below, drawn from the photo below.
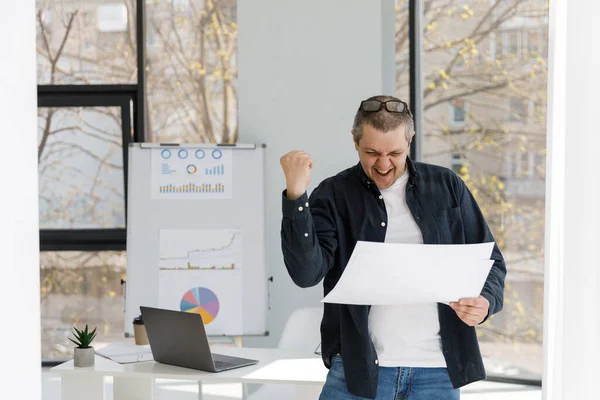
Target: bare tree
(191, 58)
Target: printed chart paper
(191, 173)
(200, 271)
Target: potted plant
(84, 353)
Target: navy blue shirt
(318, 235)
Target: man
(416, 352)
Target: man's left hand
(472, 311)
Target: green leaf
(84, 336)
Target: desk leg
(200, 390)
(73, 386)
(305, 392)
(132, 388)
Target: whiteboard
(196, 234)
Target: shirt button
(377, 362)
(380, 197)
(300, 208)
(306, 204)
(383, 224)
(306, 235)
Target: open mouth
(383, 172)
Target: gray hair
(382, 120)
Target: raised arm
(308, 229)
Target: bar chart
(193, 188)
(216, 170)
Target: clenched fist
(296, 167)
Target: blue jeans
(395, 383)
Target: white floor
(185, 390)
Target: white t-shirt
(405, 335)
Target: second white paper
(386, 274)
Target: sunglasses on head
(397, 106)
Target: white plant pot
(84, 358)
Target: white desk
(135, 381)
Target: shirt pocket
(449, 224)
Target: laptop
(179, 338)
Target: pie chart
(203, 301)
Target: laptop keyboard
(223, 364)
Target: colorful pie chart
(201, 301)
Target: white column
(304, 66)
(133, 388)
(19, 237)
(74, 385)
(572, 277)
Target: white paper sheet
(394, 273)
(126, 353)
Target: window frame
(415, 34)
(68, 96)
(131, 99)
(452, 114)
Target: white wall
(572, 276)
(19, 296)
(304, 66)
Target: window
(457, 164)
(513, 40)
(526, 165)
(500, 44)
(192, 71)
(489, 124)
(510, 43)
(79, 288)
(180, 4)
(89, 109)
(105, 54)
(534, 42)
(523, 43)
(458, 113)
(83, 134)
(81, 180)
(402, 50)
(518, 109)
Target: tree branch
(474, 32)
